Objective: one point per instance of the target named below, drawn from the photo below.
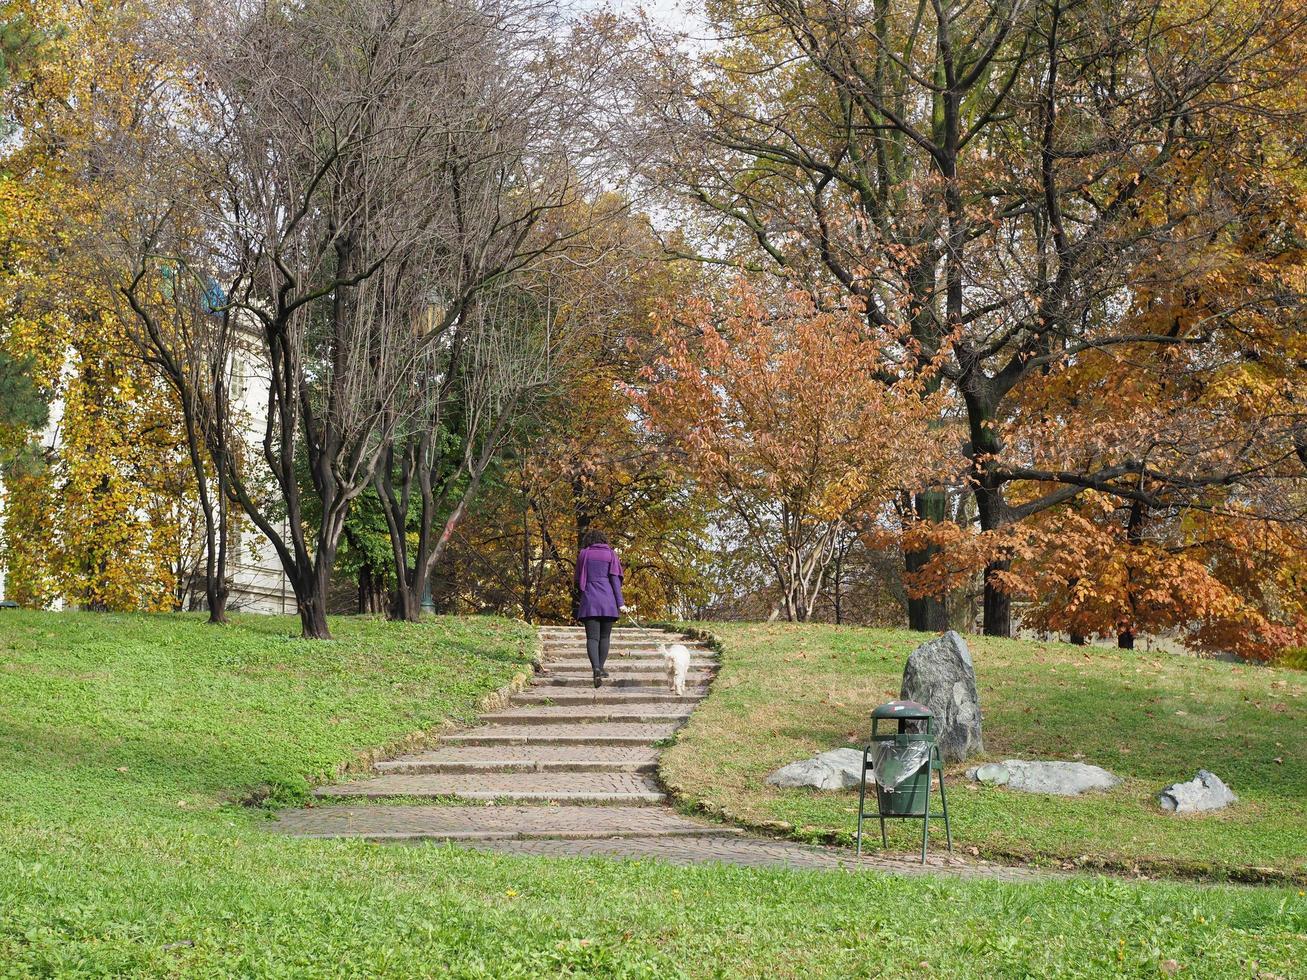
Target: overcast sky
(673, 13)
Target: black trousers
(598, 633)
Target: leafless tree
(318, 138)
(465, 396)
(523, 190)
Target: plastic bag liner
(895, 762)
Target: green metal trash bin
(901, 762)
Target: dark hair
(593, 537)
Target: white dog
(677, 658)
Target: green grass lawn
(785, 692)
(127, 744)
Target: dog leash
(639, 625)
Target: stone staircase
(570, 770)
(563, 759)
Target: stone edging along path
(567, 769)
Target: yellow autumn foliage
(105, 523)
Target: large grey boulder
(1057, 778)
(1204, 792)
(836, 769)
(940, 675)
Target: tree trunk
(839, 587)
(372, 591)
(528, 593)
(412, 582)
(313, 619)
(406, 604)
(415, 466)
(927, 614)
(998, 604)
(987, 488)
(215, 524)
(313, 601)
(990, 507)
(218, 592)
(1134, 535)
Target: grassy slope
(787, 691)
(153, 871)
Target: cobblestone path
(566, 769)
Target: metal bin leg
(925, 820)
(948, 833)
(862, 802)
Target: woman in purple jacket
(599, 588)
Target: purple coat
(599, 582)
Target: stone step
(621, 643)
(617, 661)
(561, 787)
(618, 677)
(695, 681)
(651, 649)
(382, 822)
(525, 758)
(624, 652)
(624, 656)
(599, 733)
(614, 640)
(637, 712)
(635, 676)
(625, 643)
(619, 632)
(607, 695)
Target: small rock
(1035, 776)
(833, 770)
(940, 675)
(991, 774)
(1204, 792)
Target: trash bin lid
(902, 709)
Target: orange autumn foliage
(791, 417)
(1213, 582)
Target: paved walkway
(570, 770)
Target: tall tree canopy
(1019, 190)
